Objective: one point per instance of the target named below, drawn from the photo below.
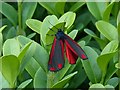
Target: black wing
(56, 59)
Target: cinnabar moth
(64, 42)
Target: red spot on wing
(83, 56)
(52, 69)
(59, 66)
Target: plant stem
(19, 17)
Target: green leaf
(114, 81)
(1, 42)
(118, 24)
(55, 8)
(108, 30)
(103, 61)
(2, 28)
(23, 51)
(8, 11)
(28, 9)
(118, 19)
(3, 82)
(97, 86)
(69, 18)
(73, 33)
(97, 8)
(59, 6)
(101, 42)
(28, 55)
(34, 24)
(32, 67)
(109, 87)
(50, 6)
(110, 47)
(11, 33)
(91, 67)
(64, 81)
(106, 14)
(79, 78)
(46, 25)
(76, 6)
(40, 79)
(117, 65)
(11, 46)
(40, 54)
(31, 35)
(10, 64)
(24, 84)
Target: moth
(64, 44)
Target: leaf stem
(19, 17)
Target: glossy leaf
(109, 87)
(56, 8)
(91, 67)
(10, 64)
(3, 82)
(11, 46)
(1, 42)
(76, 6)
(107, 30)
(101, 42)
(31, 35)
(32, 67)
(46, 25)
(117, 65)
(68, 17)
(97, 86)
(23, 51)
(79, 78)
(97, 8)
(106, 14)
(11, 33)
(114, 81)
(50, 7)
(73, 34)
(10, 12)
(28, 9)
(2, 28)
(111, 70)
(110, 47)
(39, 53)
(103, 61)
(38, 81)
(24, 84)
(62, 83)
(34, 24)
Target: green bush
(25, 45)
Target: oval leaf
(40, 79)
(9, 12)
(28, 9)
(24, 84)
(64, 81)
(34, 24)
(10, 64)
(108, 30)
(11, 46)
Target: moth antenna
(53, 30)
(52, 25)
